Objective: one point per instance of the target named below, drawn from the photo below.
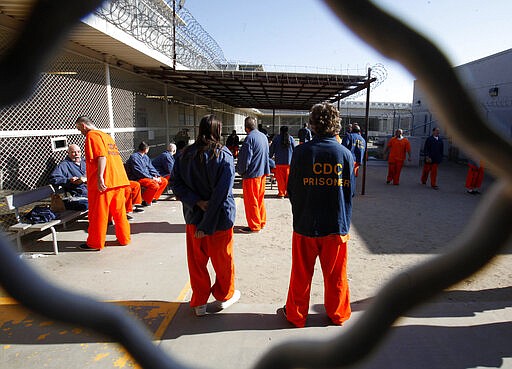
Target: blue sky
(285, 33)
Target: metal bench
(22, 199)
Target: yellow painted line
(165, 323)
(8, 301)
(184, 292)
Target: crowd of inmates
(317, 175)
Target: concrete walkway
(469, 326)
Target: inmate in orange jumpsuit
(253, 165)
(320, 191)
(398, 148)
(99, 144)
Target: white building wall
(489, 81)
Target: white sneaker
(221, 305)
(200, 310)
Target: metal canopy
(238, 88)
(263, 90)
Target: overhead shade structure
(263, 90)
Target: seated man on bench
(139, 168)
(71, 175)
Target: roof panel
(263, 90)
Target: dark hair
(143, 146)
(356, 128)
(285, 136)
(324, 118)
(208, 138)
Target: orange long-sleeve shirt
(398, 148)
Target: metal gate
(489, 231)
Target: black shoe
(138, 210)
(86, 247)
(129, 217)
(248, 230)
(282, 311)
(144, 203)
(154, 201)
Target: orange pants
(100, 205)
(356, 168)
(218, 248)
(132, 195)
(332, 252)
(234, 151)
(394, 170)
(475, 177)
(281, 173)
(432, 169)
(152, 189)
(254, 193)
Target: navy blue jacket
(320, 187)
(139, 166)
(253, 156)
(66, 170)
(356, 144)
(210, 180)
(163, 163)
(304, 135)
(434, 149)
(281, 154)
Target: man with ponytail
(202, 179)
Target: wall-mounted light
(493, 92)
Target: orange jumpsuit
(254, 194)
(397, 153)
(99, 144)
(332, 253)
(132, 195)
(152, 189)
(281, 172)
(218, 248)
(475, 175)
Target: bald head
(74, 153)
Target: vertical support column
(195, 117)
(366, 123)
(273, 121)
(166, 112)
(174, 34)
(109, 101)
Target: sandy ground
(393, 228)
